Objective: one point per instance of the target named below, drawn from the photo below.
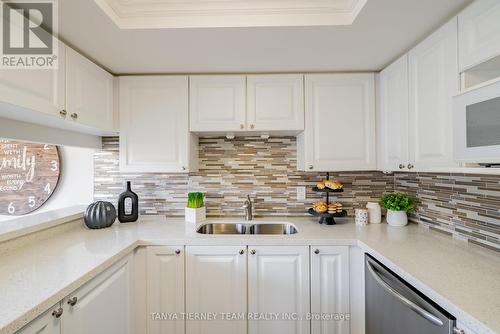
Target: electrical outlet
(301, 193)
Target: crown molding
(159, 14)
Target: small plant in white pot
(397, 205)
(195, 210)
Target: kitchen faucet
(248, 209)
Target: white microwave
(477, 125)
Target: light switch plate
(301, 193)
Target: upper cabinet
(339, 124)
(154, 125)
(89, 92)
(392, 116)
(415, 105)
(479, 33)
(217, 103)
(154, 129)
(76, 96)
(275, 102)
(434, 80)
(238, 103)
(39, 90)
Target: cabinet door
(275, 102)
(154, 135)
(340, 123)
(217, 102)
(278, 283)
(89, 92)
(393, 116)
(165, 289)
(38, 90)
(216, 283)
(434, 77)
(479, 33)
(44, 324)
(330, 288)
(102, 306)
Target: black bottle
(123, 217)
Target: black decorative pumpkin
(100, 215)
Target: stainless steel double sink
(248, 228)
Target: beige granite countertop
(39, 271)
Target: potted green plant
(195, 210)
(397, 206)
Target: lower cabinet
(216, 284)
(102, 306)
(330, 290)
(210, 290)
(278, 285)
(47, 323)
(165, 289)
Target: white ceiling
(148, 14)
(383, 30)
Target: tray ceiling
(156, 14)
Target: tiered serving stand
(327, 218)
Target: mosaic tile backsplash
(228, 171)
(464, 205)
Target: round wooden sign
(28, 176)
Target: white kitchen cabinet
(330, 288)
(278, 283)
(42, 91)
(89, 92)
(154, 128)
(392, 120)
(165, 289)
(479, 33)
(103, 305)
(46, 323)
(217, 103)
(216, 282)
(275, 102)
(339, 123)
(433, 80)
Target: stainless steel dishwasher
(395, 307)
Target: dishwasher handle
(414, 307)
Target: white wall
(76, 183)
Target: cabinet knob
(401, 166)
(316, 251)
(410, 166)
(74, 115)
(63, 113)
(253, 251)
(311, 167)
(57, 313)
(183, 167)
(177, 251)
(242, 126)
(252, 126)
(242, 252)
(72, 301)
